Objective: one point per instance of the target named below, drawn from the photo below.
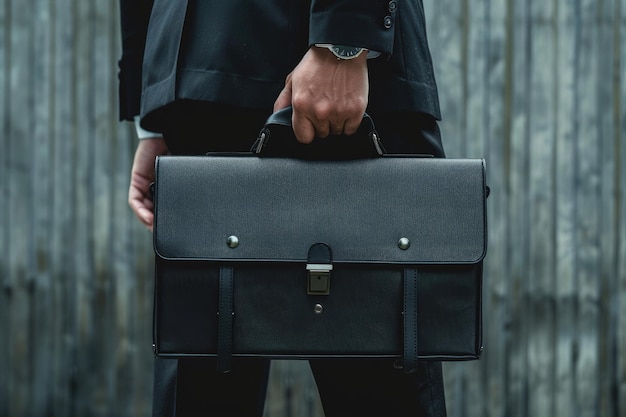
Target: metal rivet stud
(404, 243)
(232, 242)
(318, 309)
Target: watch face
(346, 52)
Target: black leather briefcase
(294, 258)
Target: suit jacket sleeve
(363, 23)
(134, 16)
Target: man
(204, 75)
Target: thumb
(284, 98)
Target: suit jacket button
(387, 22)
(392, 6)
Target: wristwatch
(342, 51)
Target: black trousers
(356, 387)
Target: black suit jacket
(239, 52)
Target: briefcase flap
(388, 210)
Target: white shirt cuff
(143, 133)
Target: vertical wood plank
(449, 20)
(587, 211)
(43, 310)
(19, 174)
(476, 28)
(90, 393)
(98, 94)
(620, 390)
(541, 275)
(5, 282)
(565, 221)
(63, 207)
(607, 92)
(518, 79)
(493, 363)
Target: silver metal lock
(318, 279)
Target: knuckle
(300, 103)
(358, 106)
(322, 112)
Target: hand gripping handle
(365, 143)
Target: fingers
(316, 122)
(352, 124)
(284, 98)
(337, 128)
(142, 175)
(141, 204)
(303, 127)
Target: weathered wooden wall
(536, 87)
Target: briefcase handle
(365, 143)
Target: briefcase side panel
(185, 308)
(450, 311)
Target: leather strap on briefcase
(225, 319)
(410, 352)
(281, 257)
